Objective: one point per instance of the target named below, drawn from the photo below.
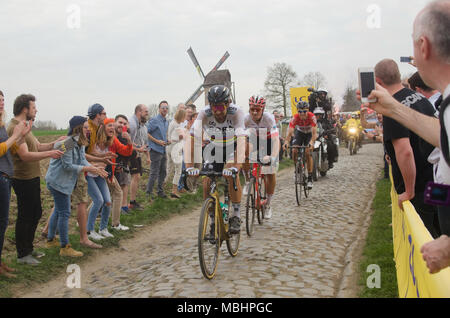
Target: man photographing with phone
(432, 58)
(408, 153)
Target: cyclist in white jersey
(223, 126)
(264, 141)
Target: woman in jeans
(6, 172)
(97, 186)
(61, 178)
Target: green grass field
(39, 133)
(379, 247)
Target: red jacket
(121, 149)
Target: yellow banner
(413, 277)
(298, 94)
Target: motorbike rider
(353, 123)
(327, 128)
(304, 128)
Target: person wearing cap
(97, 115)
(62, 175)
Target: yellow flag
(410, 234)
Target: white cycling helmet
(319, 111)
(322, 90)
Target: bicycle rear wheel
(208, 250)
(250, 208)
(298, 182)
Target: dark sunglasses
(302, 111)
(219, 108)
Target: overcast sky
(129, 52)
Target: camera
(437, 194)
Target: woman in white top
(175, 135)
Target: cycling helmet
(302, 105)
(257, 100)
(319, 111)
(219, 94)
(94, 110)
(322, 90)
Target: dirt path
(307, 251)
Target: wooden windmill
(214, 77)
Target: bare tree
(44, 125)
(351, 103)
(280, 78)
(313, 79)
(153, 110)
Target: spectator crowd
(101, 161)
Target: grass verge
(379, 247)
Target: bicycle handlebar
(218, 175)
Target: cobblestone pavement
(307, 251)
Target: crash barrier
(410, 234)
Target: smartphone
(124, 129)
(366, 77)
(437, 194)
(405, 59)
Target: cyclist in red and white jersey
(304, 129)
(264, 144)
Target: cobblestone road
(307, 251)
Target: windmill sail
(222, 60)
(196, 64)
(196, 95)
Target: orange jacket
(121, 149)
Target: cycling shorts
(301, 139)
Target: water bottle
(224, 208)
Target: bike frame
(256, 174)
(218, 218)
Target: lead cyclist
(223, 124)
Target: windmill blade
(222, 60)
(196, 64)
(196, 95)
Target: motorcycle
(320, 156)
(352, 140)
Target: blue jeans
(5, 195)
(99, 192)
(180, 182)
(60, 217)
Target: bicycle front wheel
(208, 247)
(260, 198)
(250, 208)
(233, 244)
